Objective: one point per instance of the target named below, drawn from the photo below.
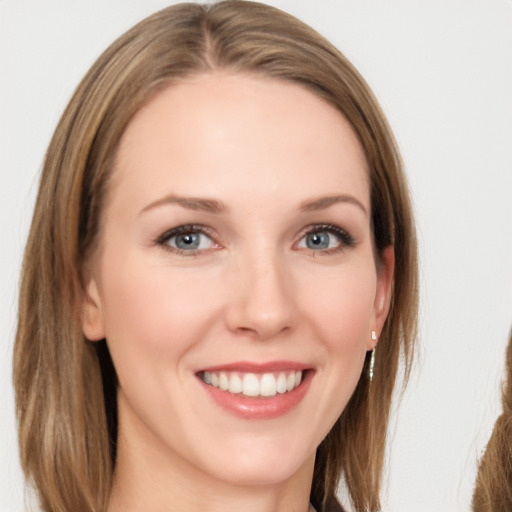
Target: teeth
(223, 381)
(252, 384)
(290, 382)
(268, 385)
(281, 383)
(235, 384)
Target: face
(235, 279)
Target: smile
(257, 391)
(255, 385)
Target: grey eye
(320, 240)
(191, 241)
(187, 241)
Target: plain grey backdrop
(442, 70)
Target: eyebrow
(217, 207)
(325, 202)
(190, 203)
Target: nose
(263, 303)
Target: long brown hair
(65, 388)
(493, 488)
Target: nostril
(263, 331)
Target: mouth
(257, 391)
(251, 384)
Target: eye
(319, 241)
(326, 238)
(188, 239)
(322, 240)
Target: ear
(385, 275)
(92, 313)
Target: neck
(148, 480)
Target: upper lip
(258, 367)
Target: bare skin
(236, 234)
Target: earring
(372, 358)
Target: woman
(493, 489)
(222, 234)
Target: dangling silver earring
(372, 358)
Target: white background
(442, 70)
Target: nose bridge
(263, 304)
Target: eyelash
(346, 240)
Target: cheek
(340, 303)
(154, 313)
(341, 312)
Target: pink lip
(259, 408)
(247, 367)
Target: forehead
(209, 130)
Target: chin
(268, 473)
(261, 464)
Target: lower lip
(260, 408)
